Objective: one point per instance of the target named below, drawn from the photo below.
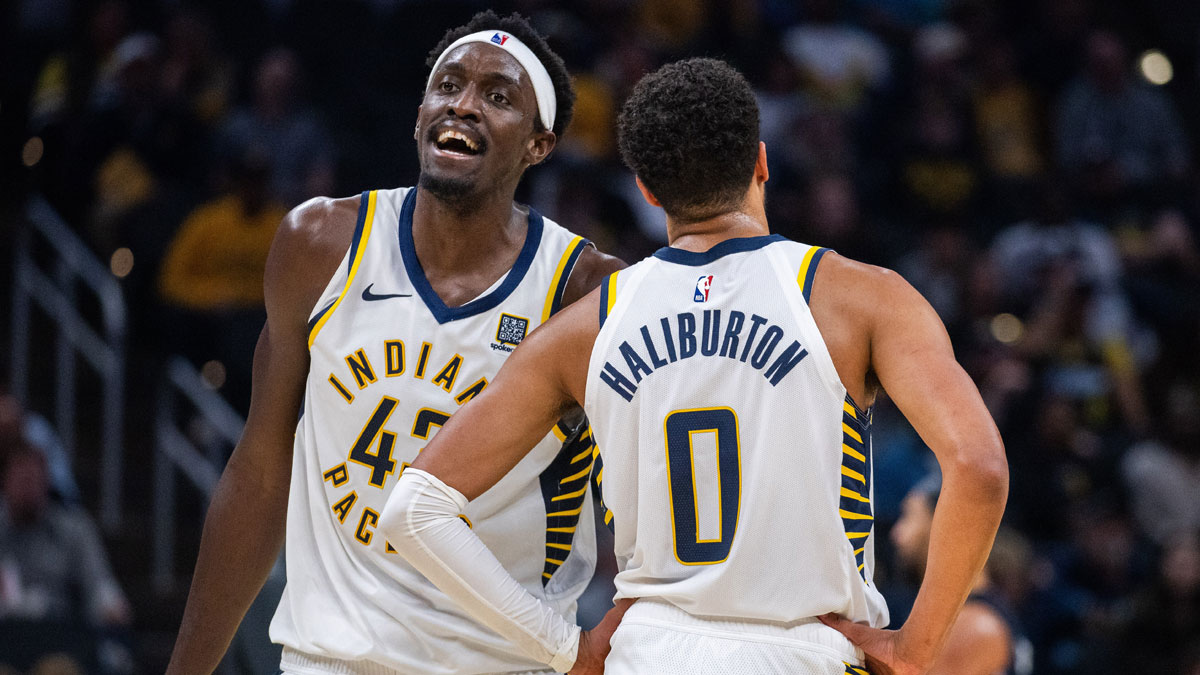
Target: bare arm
(244, 529)
(911, 355)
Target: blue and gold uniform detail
(564, 489)
(679, 430)
(390, 363)
(854, 505)
(855, 670)
(362, 231)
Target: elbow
(985, 470)
(396, 518)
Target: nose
(465, 104)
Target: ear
(647, 194)
(761, 174)
(417, 128)
(539, 146)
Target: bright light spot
(1156, 67)
(121, 262)
(213, 374)
(1007, 328)
(31, 154)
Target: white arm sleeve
(421, 521)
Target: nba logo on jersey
(499, 39)
(703, 284)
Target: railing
(214, 425)
(54, 292)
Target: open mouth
(451, 141)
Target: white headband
(543, 87)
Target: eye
(447, 86)
(498, 98)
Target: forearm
(243, 534)
(421, 521)
(964, 526)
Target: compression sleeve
(421, 521)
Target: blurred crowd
(1028, 165)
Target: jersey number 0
(681, 427)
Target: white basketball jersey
(737, 471)
(389, 364)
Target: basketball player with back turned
(729, 381)
(386, 313)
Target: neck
(703, 235)
(450, 237)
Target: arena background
(1029, 165)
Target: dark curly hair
(689, 131)
(564, 91)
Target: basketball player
(729, 381)
(986, 638)
(386, 313)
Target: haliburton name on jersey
(684, 344)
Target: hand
(593, 644)
(887, 651)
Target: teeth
(450, 133)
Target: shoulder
(857, 287)
(591, 269)
(308, 246)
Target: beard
(456, 191)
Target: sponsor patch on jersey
(510, 331)
(703, 284)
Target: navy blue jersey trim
(603, 301)
(694, 259)
(561, 289)
(358, 228)
(416, 273)
(320, 314)
(354, 243)
(812, 273)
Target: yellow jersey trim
(358, 247)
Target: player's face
(475, 128)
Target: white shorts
(656, 637)
(297, 663)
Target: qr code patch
(512, 329)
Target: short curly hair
(690, 132)
(564, 91)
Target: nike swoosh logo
(368, 295)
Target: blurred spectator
(1117, 134)
(1063, 274)
(839, 64)
(1166, 617)
(52, 560)
(195, 74)
(986, 637)
(1163, 474)
(834, 218)
(297, 144)
(133, 141)
(20, 426)
(212, 275)
(1008, 123)
(217, 259)
(58, 596)
(1163, 263)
